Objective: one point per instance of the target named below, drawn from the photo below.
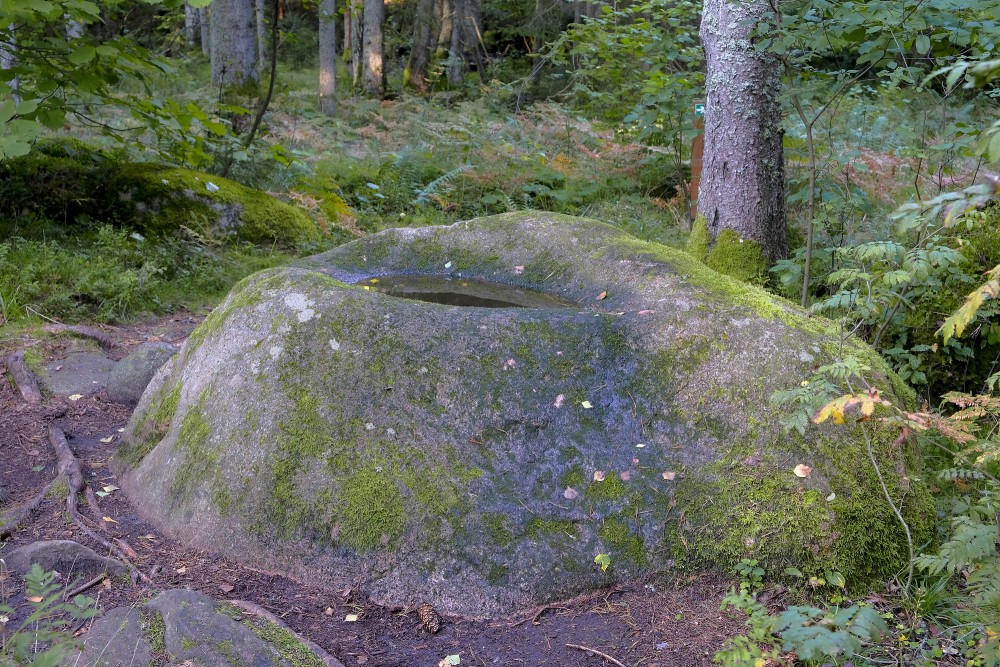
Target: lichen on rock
(480, 458)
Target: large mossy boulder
(480, 458)
(71, 182)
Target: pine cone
(430, 620)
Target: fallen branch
(596, 652)
(69, 468)
(103, 339)
(23, 379)
(86, 586)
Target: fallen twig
(86, 586)
(23, 379)
(103, 339)
(596, 652)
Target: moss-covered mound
(481, 458)
(71, 182)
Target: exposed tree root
(23, 378)
(103, 339)
(14, 519)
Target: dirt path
(653, 624)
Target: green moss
(497, 529)
(370, 510)
(59, 489)
(697, 243)
(284, 641)
(624, 544)
(188, 643)
(539, 528)
(612, 488)
(497, 574)
(150, 428)
(199, 459)
(740, 258)
(575, 477)
(227, 650)
(155, 630)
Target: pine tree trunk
(447, 21)
(456, 54)
(420, 50)
(742, 185)
(204, 23)
(372, 79)
(191, 27)
(357, 37)
(260, 22)
(328, 57)
(346, 49)
(234, 43)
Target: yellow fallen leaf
(109, 519)
(351, 618)
(76, 397)
(108, 439)
(830, 498)
(586, 405)
(669, 475)
(598, 475)
(802, 470)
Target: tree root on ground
(23, 379)
(103, 339)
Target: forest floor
(654, 623)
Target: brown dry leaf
(226, 588)
(181, 570)
(328, 611)
(559, 401)
(570, 493)
(646, 312)
(598, 475)
(602, 296)
(35, 598)
(518, 270)
(669, 475)
(625, 475)
(802, 470)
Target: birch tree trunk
(206, 31)
(191, 26)
(357, 37)
(328, 57)
(372, 79)
(415, 73)
(234, 43)
(742, 186)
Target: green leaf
(604, 560)
(83, 55)
(923, 44)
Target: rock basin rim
(457, 290)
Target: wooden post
(697, 155)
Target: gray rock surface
(196, 631)
(67, 557)
(132, 374)
(116, 639)
(79, 373)
(480, 458)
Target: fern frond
(424, 194)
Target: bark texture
(192, 27)
(372, 79)
(8, 57)
(424, 34)
(742, 185)
(456, 55)
(234, 43)
(261, 32)
(328, 57)
(357, 16)
(206, 31)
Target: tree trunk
(357, 37)
(204, 23)
(456, 55)
(372, 79)
(346, 49)
(191, 27)
(420, 50)
(74, 29)
(234, 43)
(742, 186)
(447, 11)
(8, 58)
(328, 57)
(261, 32)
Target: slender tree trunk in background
(456, 56)
(372, 79)
(206, 31)
(473, 33)
(415, 73)
(346, 48)
(328, 57)
(260, 20)
(74, 29)
(742, 186)
(234, 43)
(191, 28)
(357, 37)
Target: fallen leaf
(602, 296)
(669, 475)
(59, 367)
(328, 611)
(38, 469)
(181, 570)
(598, 475)
(121, 430)
(570, 493)
(625, 475)
(35, 598)
(108, 439)
(518, 270)
(559, 401)
(830, 498)
(76, 397)
(211, 187)
(604, 560)
(635, 461)
(640, 445)
(450, 660)
(226, 588)
(109, 519)
(448, 265)
(351, 618)
(646, 312)
(510, 363)
(586, 405)
(802, 470)
(110, 488)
